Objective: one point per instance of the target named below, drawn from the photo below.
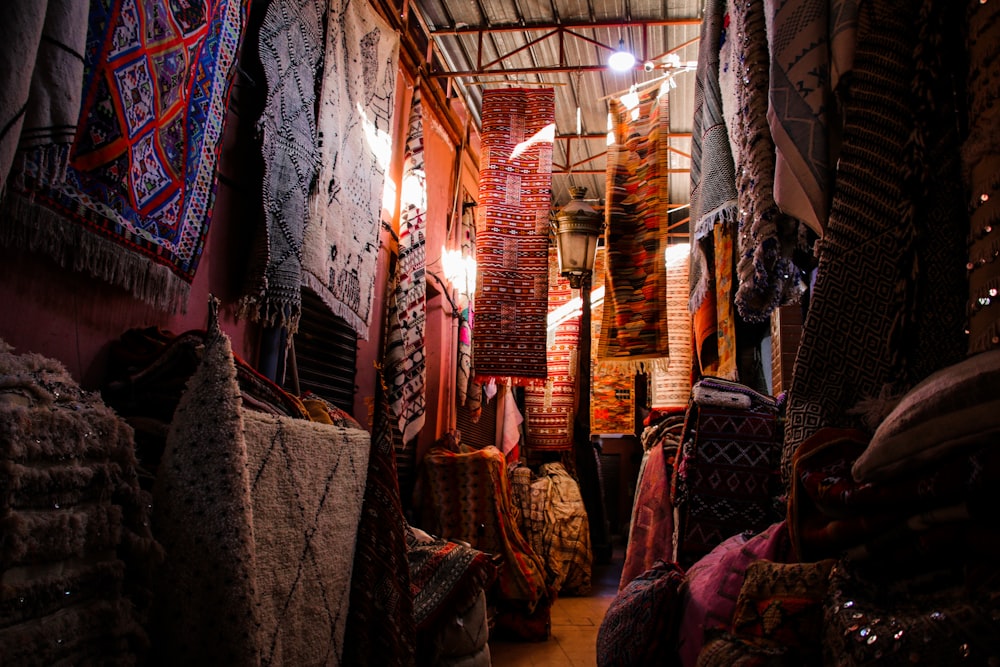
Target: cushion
(641, 623)
(952, 408)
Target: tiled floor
(575, 622)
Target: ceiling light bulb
(621, 60)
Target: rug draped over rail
(341, 240)
(267, 503)
(133, 204)
(512, 236)
(634, 327)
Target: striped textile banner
(512, 241)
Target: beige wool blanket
(258, 515)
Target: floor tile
(575, 624)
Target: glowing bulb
(621, 60)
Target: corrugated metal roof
(565, 44)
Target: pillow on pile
(955, 407)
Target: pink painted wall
(73, 317)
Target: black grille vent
(326, 353)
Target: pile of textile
(727, 477)
(466, 495)
(449, 581)
(554, 521)
(651, 531)
(77, 558)
(258, 514)
(887, 554)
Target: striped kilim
(671, 386)
(612, 405)
(550, 407)
(635, 314)
(515, 182)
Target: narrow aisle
(575, 622)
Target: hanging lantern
(577, 226)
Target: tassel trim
(31, 227)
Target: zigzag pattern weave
(290, 47)
(134, 204)
(726, 478)
(634, 322)
(550, 408)
(405, 360)
(512, 246)
(892, 234)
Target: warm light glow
(621, 60)
(460, 271)
(379, 141)
(414, 192)
(574, 308)
(380, 144)
(677, 252)
(545, 135)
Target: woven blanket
(555, 522)
(266, 503)
(41, 74)
(307, 481)
(726, 315)
(469, 498)
(290, 48)
(634, 333)
(766, 275)
(713, 176)
(948, 623)
(671, 386)
(726, 479)
(512, 232)
(811, 45)
(77, 554)
(640, 627)
(467, 311)
(134, 205)
(714, 583)
(893, 254)
(355, 122)
(549, 409)
(406, 364)
(444, 576)
(380, 626)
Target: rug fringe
(516, 381)
(32, 227)
(625, 367)
(270, 312)
(337, 307)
